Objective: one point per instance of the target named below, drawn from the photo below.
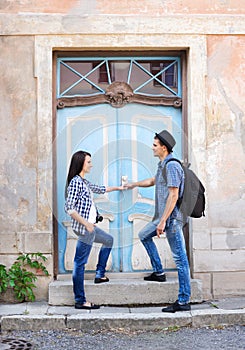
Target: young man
(168, 218)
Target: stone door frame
(195, 47)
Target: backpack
(192, 203)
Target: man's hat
(167, 139)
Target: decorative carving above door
(118, 94)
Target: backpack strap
(170, 160)
(179, 201)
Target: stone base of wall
(222, 284)
(13, 244)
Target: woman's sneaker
(155, 277)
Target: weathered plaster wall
(21, 227)
(222, 251)
(18, 127)
(215, 115)
(126, 7)
(226, 129)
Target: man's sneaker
(155, 277)
(101, 280)
(177, 307)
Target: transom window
(81, 77)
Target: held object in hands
(124, 180)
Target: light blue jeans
(176, 242)
(83, 249)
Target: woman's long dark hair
(76, 166)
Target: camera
(99, 217)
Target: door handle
(124, 180)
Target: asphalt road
(168, 339)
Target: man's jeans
(176, 242)
(83, 249)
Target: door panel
(120, 141)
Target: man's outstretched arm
(143, 183)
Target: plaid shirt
(175, 178)
(79, 199)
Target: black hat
(167, 139)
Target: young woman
(80, 206)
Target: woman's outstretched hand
(115, 188)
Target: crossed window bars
(162, 73)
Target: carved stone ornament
(118, 94)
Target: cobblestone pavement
(174, 338)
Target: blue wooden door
(120, 141)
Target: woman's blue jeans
(176, 242)
(83, 249)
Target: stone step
(123, 289)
